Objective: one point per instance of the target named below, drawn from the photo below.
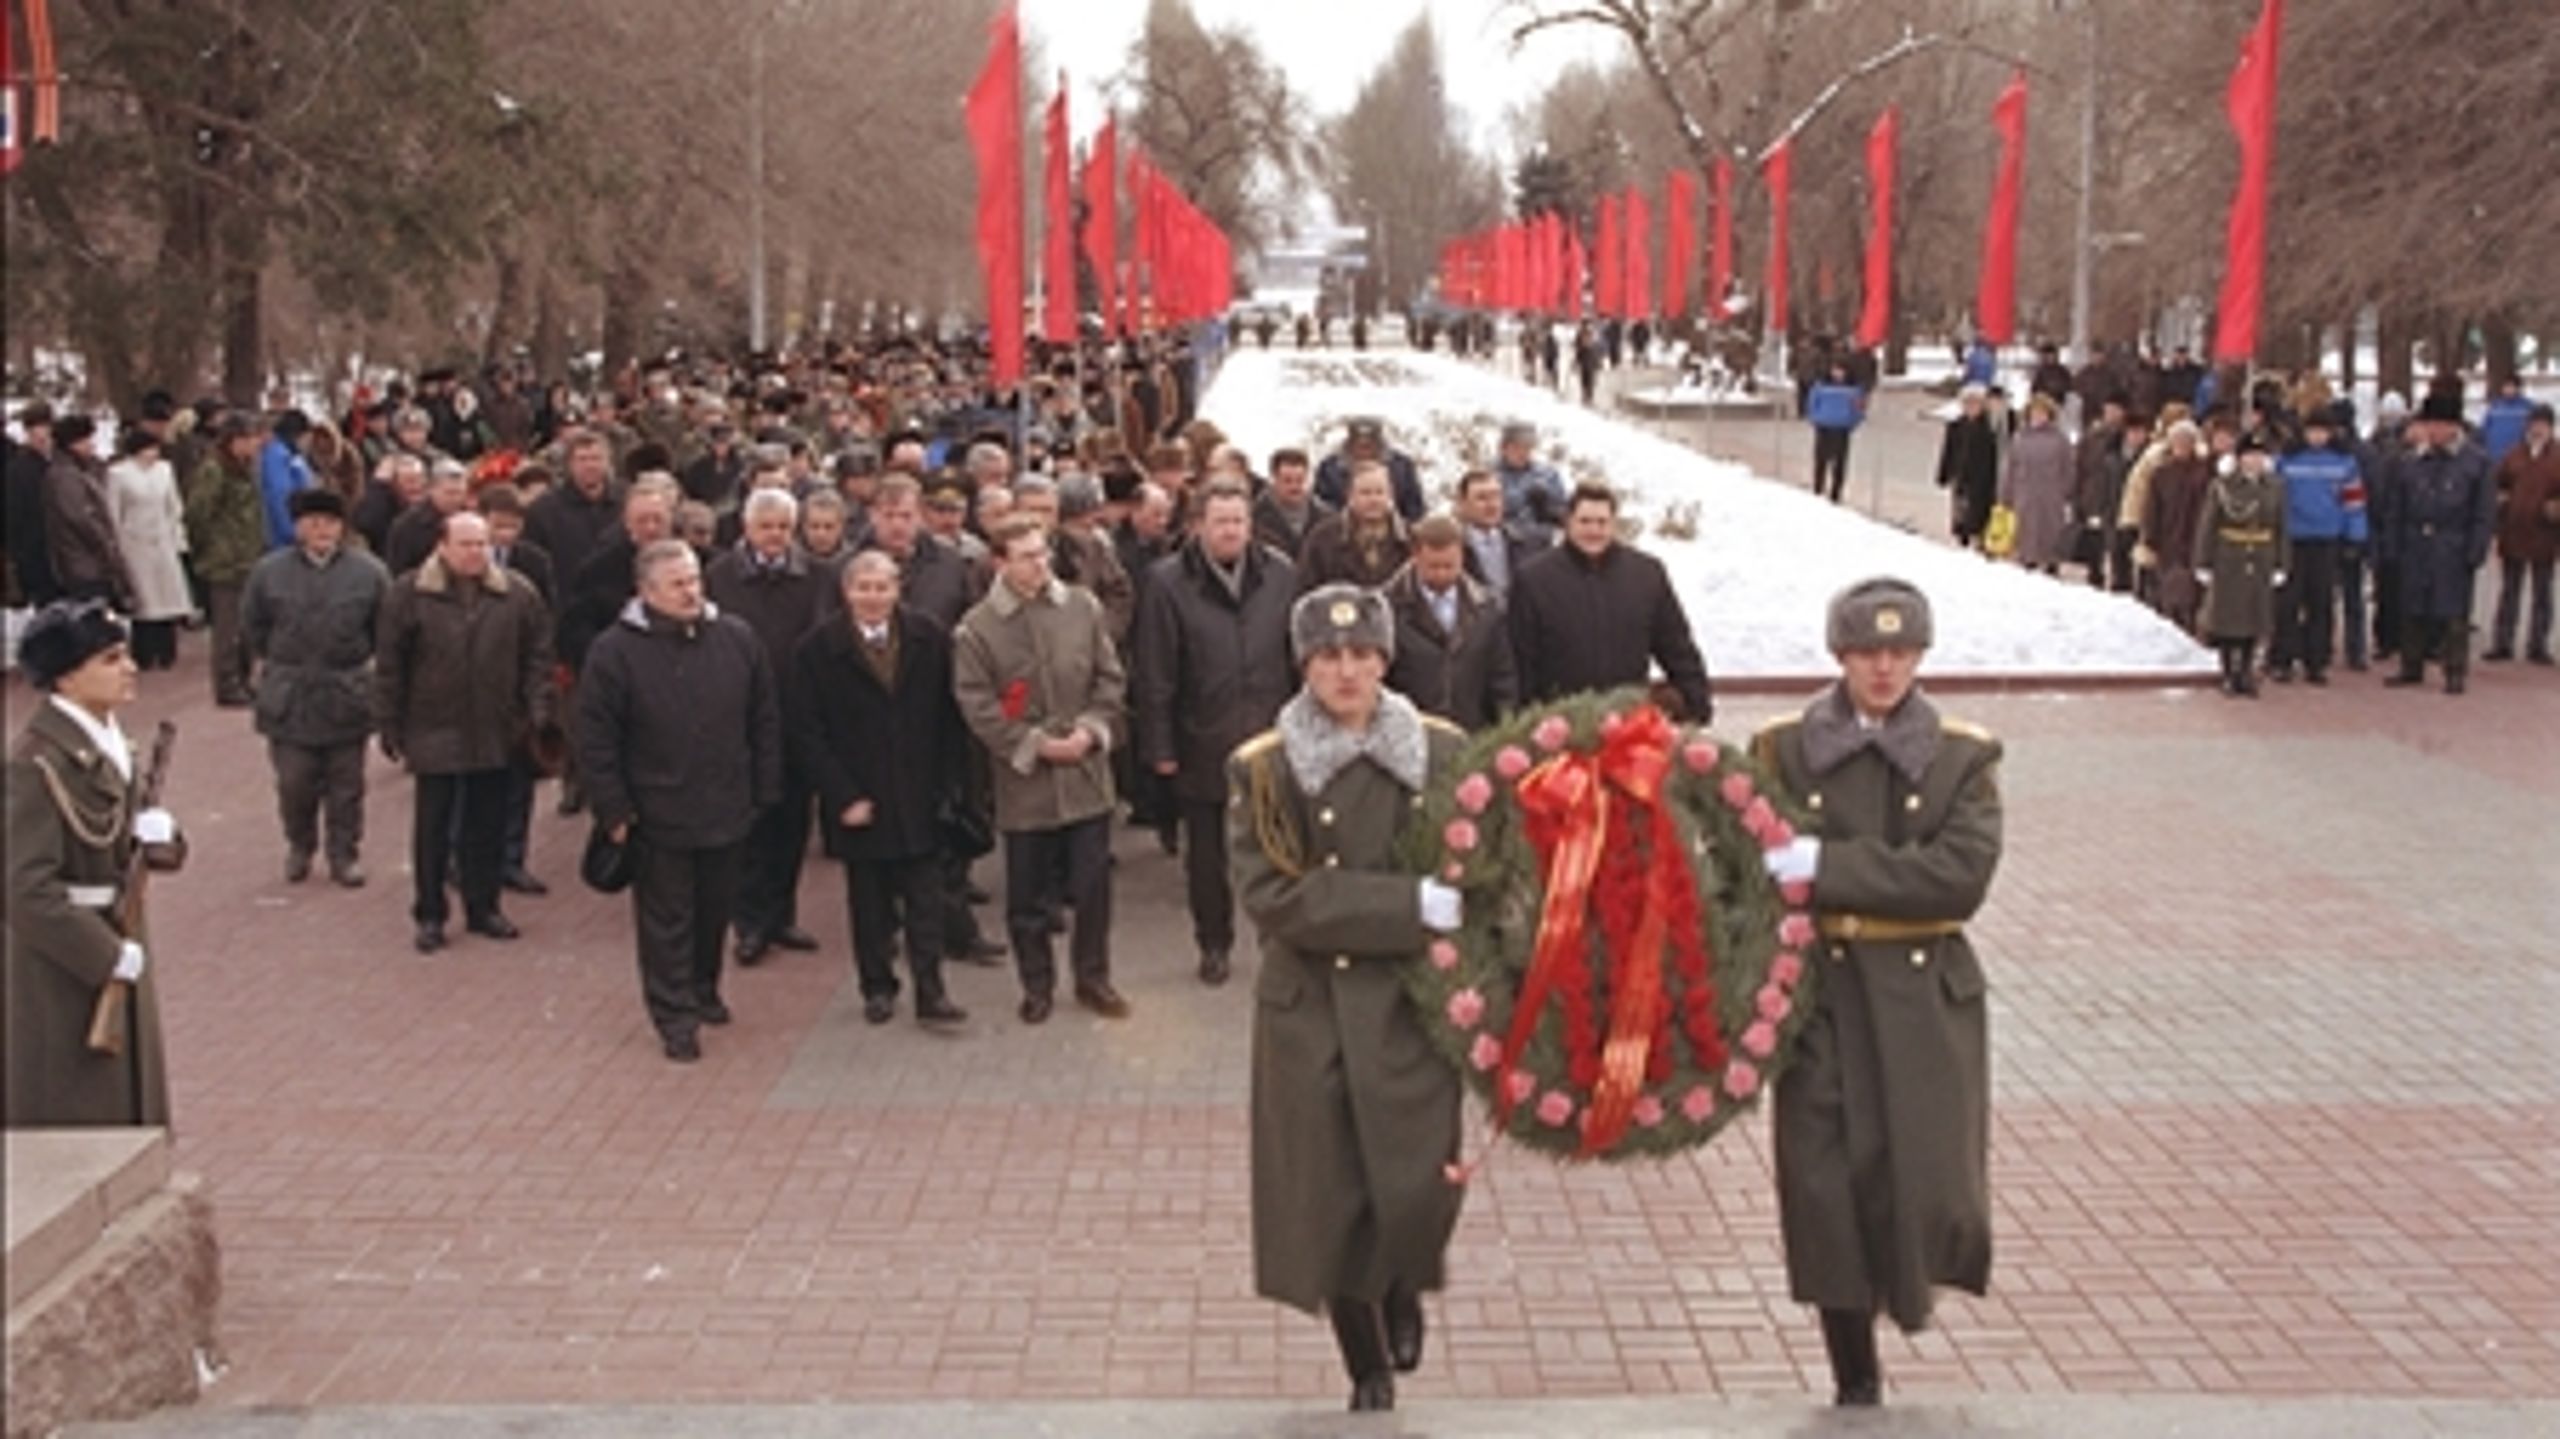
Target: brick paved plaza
(2275, 1012)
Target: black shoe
(1169, 839)
(430, 938)
(1358, 1333)
(792, 936)
(1857, 1378)
(346, 874)
(521, 881)
(1213, 967)
(879, 1008)
(2538, 657)
(2455, 684)
(939, 1011)
(493, 926)
(1373, 1396)
(1103, 1000)
(297, 865)
(1035, 1008)
(683, 1048)
(751, 949)
(714, 1011)
(980, 951)
(2317, 679)
(1402, 1311)
(2498, 655)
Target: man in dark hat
(1883, 1119)
(308, 616)
(2441, 511)
(1365, 442)
(72, 830)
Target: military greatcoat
(70, 835)
(1355, 1115)
(1883, 1118)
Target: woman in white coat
(150, 515)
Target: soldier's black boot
(1363, 1341)
(1857, 1379)
(1402, 1309)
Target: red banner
(1637, 294)
(2251, 105)
(995, 134)
(1058, 235)
(1780, 169)
(1573, 270)
(1679, 242)
(1875, 321)
(1611, 258)
(1102, 218)
(1995, 299)
(1720, 261)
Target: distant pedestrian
(226, 535)
(2240, 552)
(2037, 485)
(2443, 514)
(1834, 407)
(2528, 482)
(309, 617)
(151, 535)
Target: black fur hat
(65, 635)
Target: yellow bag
(2000, 537)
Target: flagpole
(1026, 257)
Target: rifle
(106, 1022)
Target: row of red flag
(1183, 268)
(1540, 264)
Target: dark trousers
(2351, 611)
(2424, 638)
(2386, 608)
(476, 803)
(1830, 457)
(1031, 862)
(2512, 576)
(315, 782)
(1204, 871)
(230, 656)
(2307, 608)
(769, 889)
(883, 896)
(680, 902)
(516, 829)
(155, 644)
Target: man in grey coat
(308, 617)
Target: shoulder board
(1436, 723)
(1779, 724)
(1256, 747)
(1966, 730)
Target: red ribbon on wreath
(1566, 802)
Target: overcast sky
(1327, 47)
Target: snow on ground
(1767, 557)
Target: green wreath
(1663, 830)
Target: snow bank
(1767, 557)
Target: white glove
(2279, 579)
(1797, 862)
(1443, 908)
(155, 826)
(2204, 577)
(131, 961)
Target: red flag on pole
(2251, 105)
(995, 133)
(1058, 240)
(1780, 169)
(1102, 218)
(1995, 300)
(1573, 268)
(1680, 240)
(1637, 291)
(1611, 259)
(1876, 319)
(1720, 264)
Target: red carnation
(1017, 699)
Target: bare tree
(1218, 119)
(1398, 162)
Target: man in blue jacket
(282, 471)
(2502, 424)
(1834, 406)
(2324, 514)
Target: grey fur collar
(1319, 749)
(1908, 739)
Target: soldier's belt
(1884, 931)
(91, 896)
(2249, 537)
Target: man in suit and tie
(1495, 547)
(1453, 646)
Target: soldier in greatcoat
(1355, 1115)
(1882, 1120)
(73, 825)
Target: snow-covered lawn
(1767, 557)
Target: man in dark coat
(1496, 547)
(419, 530)
(1287, 510)
(503, 506)
(1595, 614)
(1453, 643)
(875, 729)
(680, 741)
(569, 520)
(2528, 482)
(462, 676)
(1969, 462)
(1213, 643)
(308, 616)
(2442, 512)
(30, 562)
(80, 534)
(602, 582)
(1366, 443)
(769, 584)
(1364, 544)
(1883, 1117)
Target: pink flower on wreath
(1797, 892)
(1612, 722)
(1648, 1111)
(1485, 1054)
(1466, 1008)
(1773, 1003)
(1474, 793)
(1453, 872)
(1555, 1107)
(1511, 762)
(1779, 834)
(1552, 732)
(1520, 1085)
(1698, 1104)
(1742, 1079)
(1737, 789)
(1760, 1040)
(1699, 755)
(1444, 955)
(1786, 970)
(1460, 835)
(1757, 816)
(1795, 931)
